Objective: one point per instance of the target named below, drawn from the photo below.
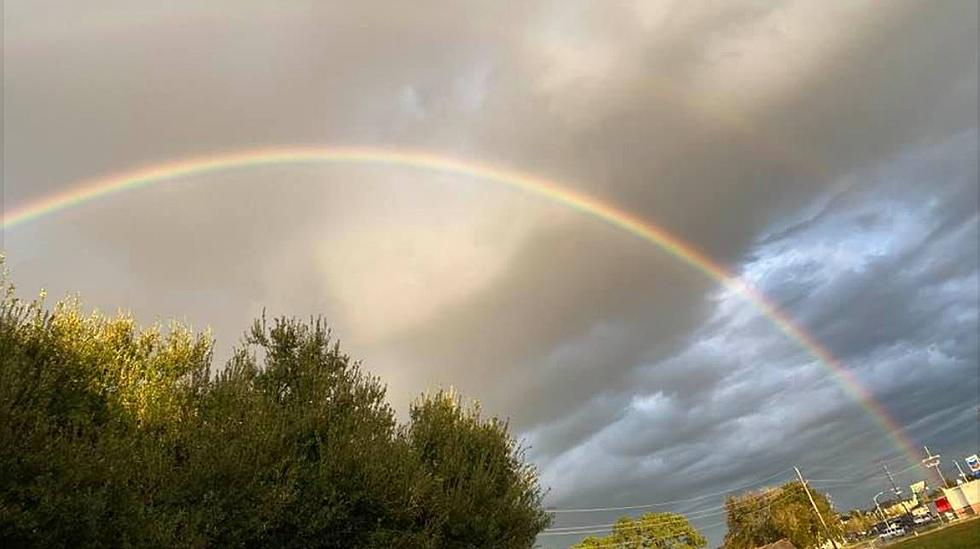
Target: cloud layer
(826, 152)
(883, 272)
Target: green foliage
(858, 522)
(662, 530)
(757, 518)
(482, 493)
(113, 435)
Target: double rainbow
(544, 188)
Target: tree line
(116, 435)
(753, 518)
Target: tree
(858, 522)
(112, 434)
(662, 530)
(482, 494)
(758, 518)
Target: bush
(114, 435)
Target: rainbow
(543, 188)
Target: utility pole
(933, 461)
(898, 494)
(830, 536)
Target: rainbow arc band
(538, 186)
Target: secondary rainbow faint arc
(550, 190)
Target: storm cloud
(826, 152)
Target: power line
(640, 522)
(594, 529)
(664, 503)
(617, 543)
(698, 514)
(609, 529)
(695, 515)
(863, 479)
(870, 476)
(600, 530)
(637, 522)
(867, 471)
(828, 482)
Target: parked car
(924, 519)
(895, 531)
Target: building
(900, 507)
(964, 498)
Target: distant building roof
(781, 544)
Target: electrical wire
(640, 522)
(664, 503)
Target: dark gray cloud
(896, 299)
(826, 151)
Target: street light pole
(878, 505)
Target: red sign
(942, 505)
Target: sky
(825, 152)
